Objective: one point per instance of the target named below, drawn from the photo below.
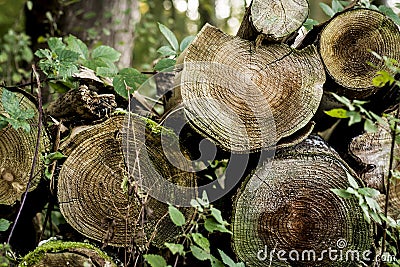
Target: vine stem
(384, 224)
(35, 156)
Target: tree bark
(110, 23)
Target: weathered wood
(287, 205)
(275, 20)
(17, 148)
(57, 253)
(82, 104)
(373, 150)
(247, 98)
(100, 200)
(345, 45)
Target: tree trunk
(287, 205)
(111, 23)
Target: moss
(35, 256)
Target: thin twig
(35, 156)
(384, 224)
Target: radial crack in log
(17, 149)
(274, 19)
(373, 150)
(345, 45)
(287, 205)
(56, 253)
(246, 98)
(100, 200)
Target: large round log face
(288, 206)
(17, 148)
(345, 45)
(99, 199)
(247, 98)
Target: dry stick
(35, 156)
(384, 224)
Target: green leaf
(176, 216)
(310, 23)
(199, 253)
(186, 42)
(155, 260)
(370, 127)
(212, 225)
(375, 217)
(106, 53)
(327, 9)
(195, 204)
(343, 100)
(166, 51)
(383, 77)
(372, 204)
(17, 115)
(228, 261)
(76, 45)
(128, 77)
(337, 6)
(217, 216)
(364, 208)
(200, 240)
(55, 43)
(342, 193)
(29, 5)
(170, 36)
(175, 248)
(352, 181)
(164, 63)
(4, 225)
(355, 117)
(216, 262)
(54, 156)
(337, 113)
(390, 13)
(370, 192)
(377, 118)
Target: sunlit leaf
(176, 216)
(155, 260)
(337, 113)
(170, 36)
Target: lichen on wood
(287, 205)
(58, 253)
(247, 98)
(100, 200)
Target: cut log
(17, 148)
(82, 104)
(373, 150)
(247, 98)
(345, 45)
(57, 253)
(273, 19)
(287, 205)
(100, 200)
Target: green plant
(15, 55)
(13, 113)
(171, 51)
(207, 219)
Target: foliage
(6, 255)
(13, 113)
(171, 51)
(4, 225)
(194, 241)
(15, 55)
